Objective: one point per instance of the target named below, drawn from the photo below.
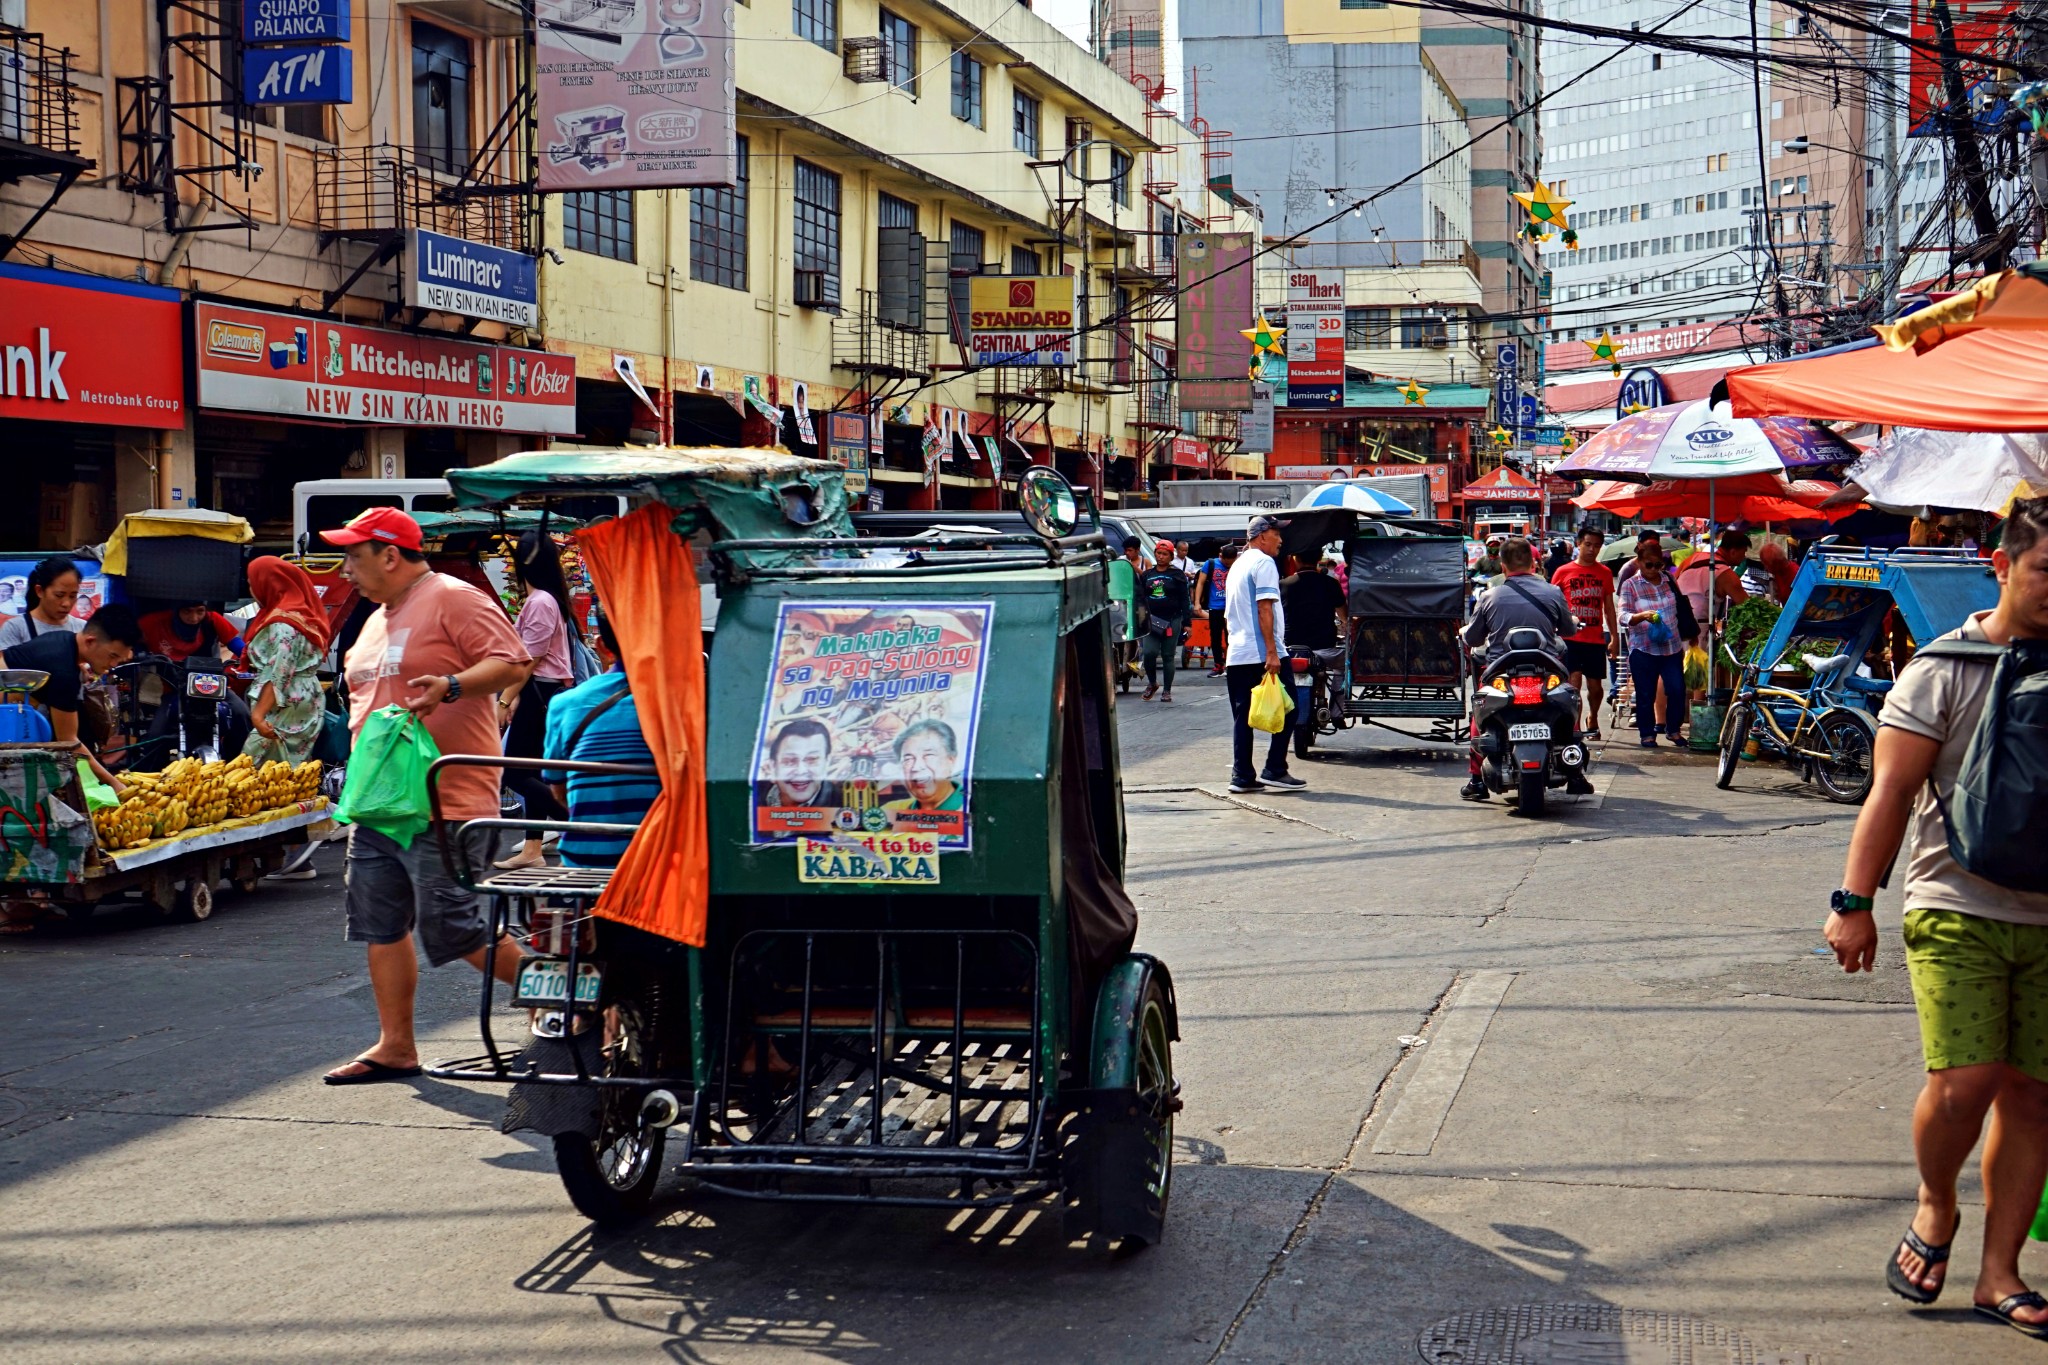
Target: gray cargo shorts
(390, 891)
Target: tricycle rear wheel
(611, 1177)
(1116, 1177)
(1846, 774)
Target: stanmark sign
(1020, 320)
(450, 275)
(255, 361)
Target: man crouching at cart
(443, 650)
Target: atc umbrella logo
(1707, 437)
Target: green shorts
(1981, 987)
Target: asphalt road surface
(1460, 1087)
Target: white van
(323, 504)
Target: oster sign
(253, 361)
(77, 348)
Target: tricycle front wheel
(1734, 735)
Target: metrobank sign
(78, 348)
(250, 360)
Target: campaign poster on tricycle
(868, 727)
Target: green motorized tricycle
(915, 983)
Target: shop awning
(1979, 381)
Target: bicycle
(1832, 743)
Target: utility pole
(2031, 19)
(1888, 249)
(1962, 131)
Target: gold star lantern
(1265, 337)
(1415, 394)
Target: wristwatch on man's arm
(1849, 903)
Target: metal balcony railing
(1031, 384)
(38, 104)
(371, 193)
(862, 342)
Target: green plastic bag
(98, 795)
(386, 787)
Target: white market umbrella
(1355, 496)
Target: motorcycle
(179, 709)
(1527, 713)
(1316, 679)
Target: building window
(599, 222)
(817, 21)
(817, 236)
(1422, 327)
(1362, 4)
(1024, 122)
(440, 97)
(1367, 327)
(1023, 261)
(891, 212)
(899, 41)
(1120, 176)
(966, 89)
(1656, 61)
(964, 252)
(718, 229)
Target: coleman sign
(1020, 319)
(253, 361)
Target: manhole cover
(1591, 1334)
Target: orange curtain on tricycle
(645, 578)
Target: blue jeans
(1648, 670)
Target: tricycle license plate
(545, 981)
(1518, 733)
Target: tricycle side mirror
(1047, 502)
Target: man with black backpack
(1962, 760)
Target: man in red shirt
(1588, 586)
(192, 628)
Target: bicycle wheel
(1734, 735)
(1846, 773)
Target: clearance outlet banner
(289, 366)
(1020, 319)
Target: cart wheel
(1116, 1176)
(195, 900)
(1845, 775)
(1734, 735)
(611, 1177)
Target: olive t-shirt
(1941, 700)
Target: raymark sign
(450, 275)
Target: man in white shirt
(1257, 628)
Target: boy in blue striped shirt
(598, 719)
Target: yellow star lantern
(1542, 206)
(1569, 443)
(1412, 392)
(1633, 408)
(1264, 337)
(1609, 350)
(1501, 436)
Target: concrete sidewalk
(1460, 1087)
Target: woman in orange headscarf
(287, 640)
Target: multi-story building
(208, 297)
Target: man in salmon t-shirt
(442, 649)
(1588, 587)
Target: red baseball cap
(385, 525)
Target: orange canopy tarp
(644, 575)
(1979, 381)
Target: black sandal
(378, 1072)
(1895, 1274)
(2011, 1304)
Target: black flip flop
(2011, 1304)
(1895, 1275)
(378, 1071)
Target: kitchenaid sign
(450, 275)
(77, 348)
(255, 361)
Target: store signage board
(1643, 388)
(1301, 394)
(1015, 320)
(319, 74)
(78, 348)
(449, 275)
(255, 361)
(1507, 383)
(635, 95)
(846, 444)
(1315, 338)
(1212, 355)
(1255, 432)
(295, 21)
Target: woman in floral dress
(287, 640)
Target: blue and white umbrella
(1357, 495)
